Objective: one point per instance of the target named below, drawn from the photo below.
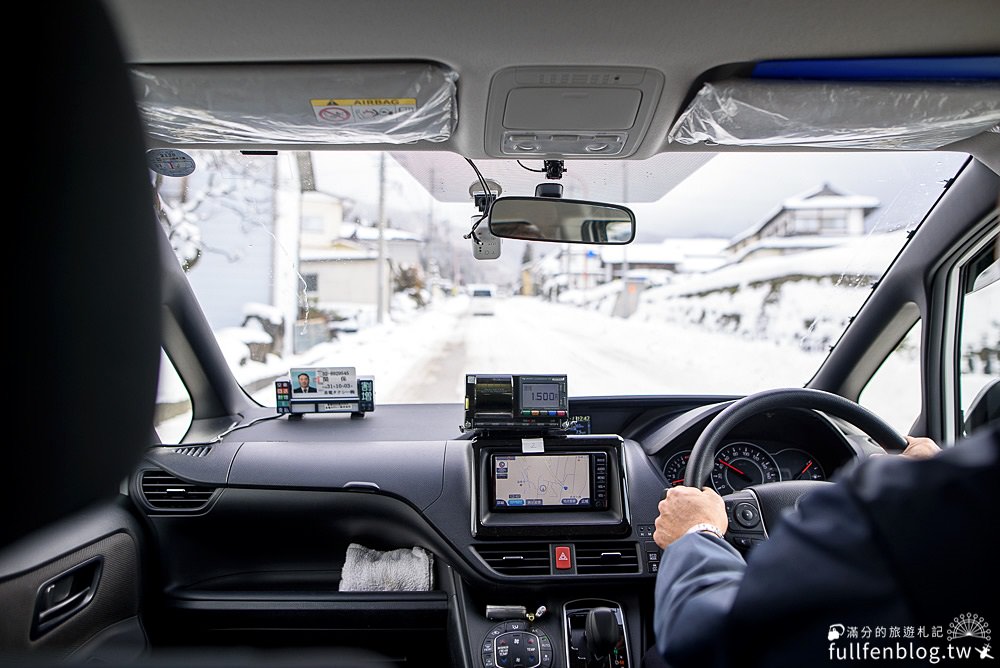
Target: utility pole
(430, 208)
(380, 296)
(624, 248)
(430, 249)
(288, 289)
(624, 299)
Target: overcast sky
(734, 192)
(722, 198)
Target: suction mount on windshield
(554, 169)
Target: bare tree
(224, 180)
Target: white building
(583, 267)
(672, 255)
(819, 218)
(338, 260)
(403, 248)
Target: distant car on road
(481, 299)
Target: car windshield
(744, 271)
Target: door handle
(64, 605)
(66, 594)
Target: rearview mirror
(563, 220)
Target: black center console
(517, 643)
(549, 503)
(550, 486)
(593, 635)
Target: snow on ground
(601, 355)
(740, 329)
(804, 299)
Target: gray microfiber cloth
(405, 569)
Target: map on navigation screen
(524, 481)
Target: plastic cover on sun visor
(881, 115)
(297, 104)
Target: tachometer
(673, 470)
(739, 465)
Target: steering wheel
(751, 510)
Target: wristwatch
(705, 526)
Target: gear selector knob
(602, 631)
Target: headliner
(681, 39)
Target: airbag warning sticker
(361, 110)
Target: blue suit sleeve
(892, 543)
(695, 587)
(820, 564)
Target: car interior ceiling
(70, 519)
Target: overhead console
(550, 486)
(578, 112)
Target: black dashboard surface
(251, 530)
(621, 415)
(417, 455)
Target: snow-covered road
(426, 359)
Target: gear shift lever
(602, 634)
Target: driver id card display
(324, 383)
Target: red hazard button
(563, 558)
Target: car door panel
(73, 590)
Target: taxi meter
(516, 403)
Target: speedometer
(739, 465)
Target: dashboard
(740, 464)
(781, 445)
(252, 532)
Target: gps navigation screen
(542, 481)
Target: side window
(893, 393)
(978, 372)
(173, 404)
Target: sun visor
(398, 103)
(902, 115)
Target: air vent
(606, 558)
(516, 558)
(193, 450)
(163, 491)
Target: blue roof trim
(979, 68)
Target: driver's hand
(682, 508)
(920, 448)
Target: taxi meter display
(504, 402)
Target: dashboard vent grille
(516, 558)
(163, 491)
(606, 558)
(193, 450)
